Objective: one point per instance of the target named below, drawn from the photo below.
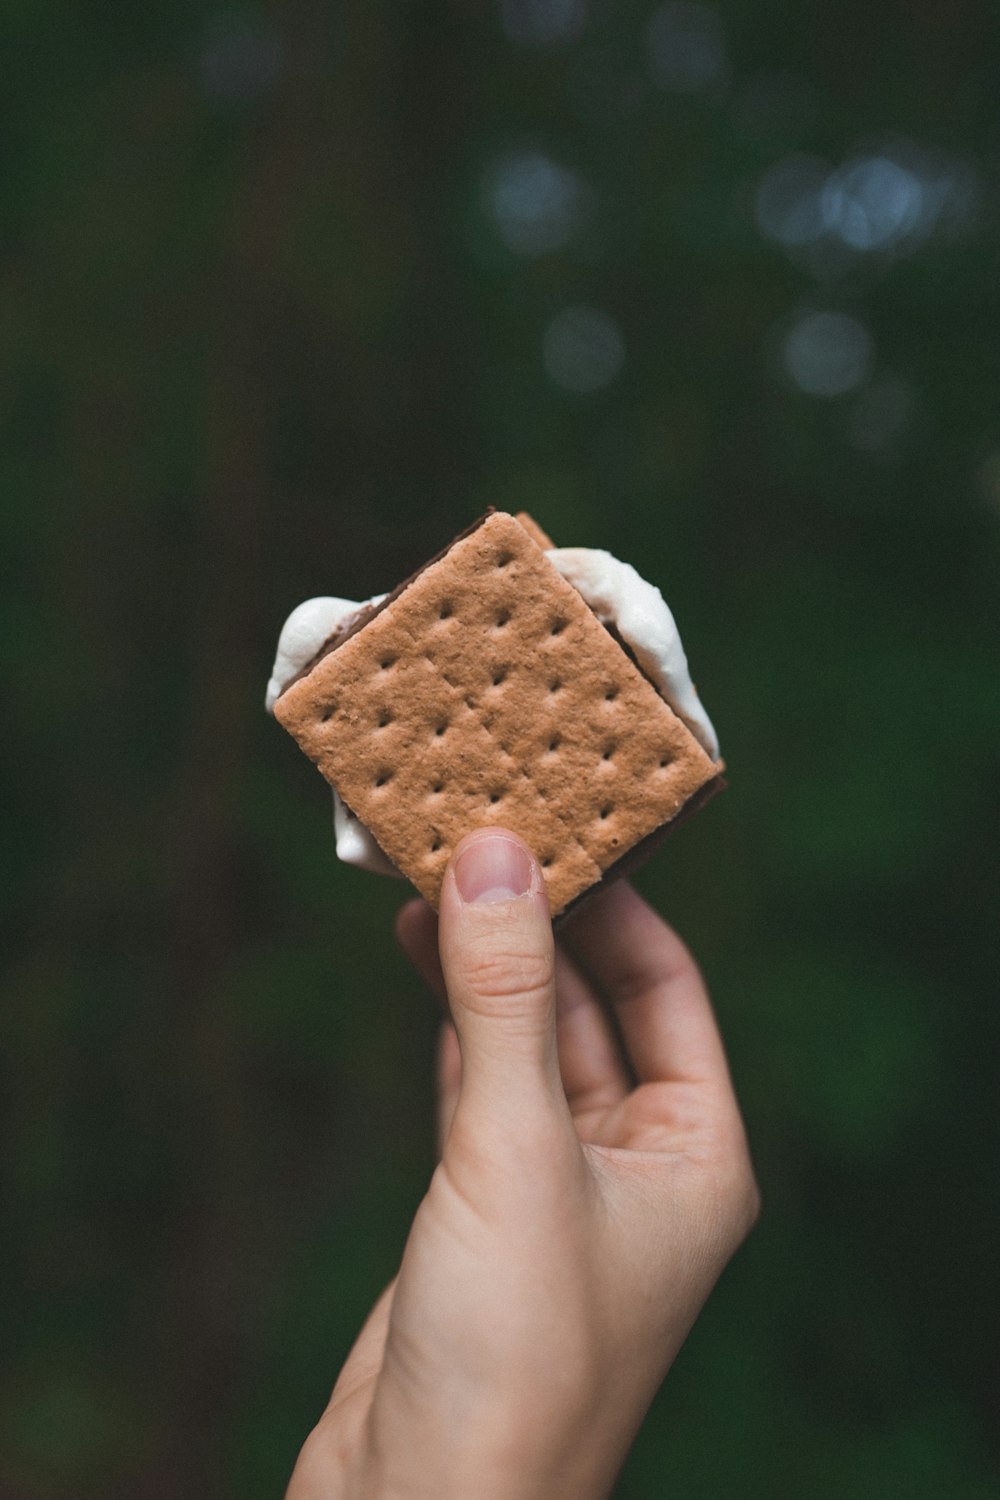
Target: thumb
(498, 958)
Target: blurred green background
(289, 295)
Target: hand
(576, 1222)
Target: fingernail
(492, 868)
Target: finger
(589, 1061)
(498, 959)
(655, 985)
(449, 1081)
(417, 935)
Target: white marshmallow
(302, 635)
(620, 597)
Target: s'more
(508, 681)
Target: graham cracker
(538, 536)
(486, 691)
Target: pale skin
(593, 1181)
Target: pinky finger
(449, 1080)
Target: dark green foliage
(267, 335)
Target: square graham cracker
(485, 691)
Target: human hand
(576, 1222)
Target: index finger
(655, 986)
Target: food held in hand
(507, 682)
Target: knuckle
(733, 1202)
(748, 1204)
(740, 1197)
(321, 1463)
(506, 978)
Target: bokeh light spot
(543, 23)
(884, 201)
(788, 204)
(686, 47)
(536, 204)
(583, 349)
(827, 353)
(872, 202)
